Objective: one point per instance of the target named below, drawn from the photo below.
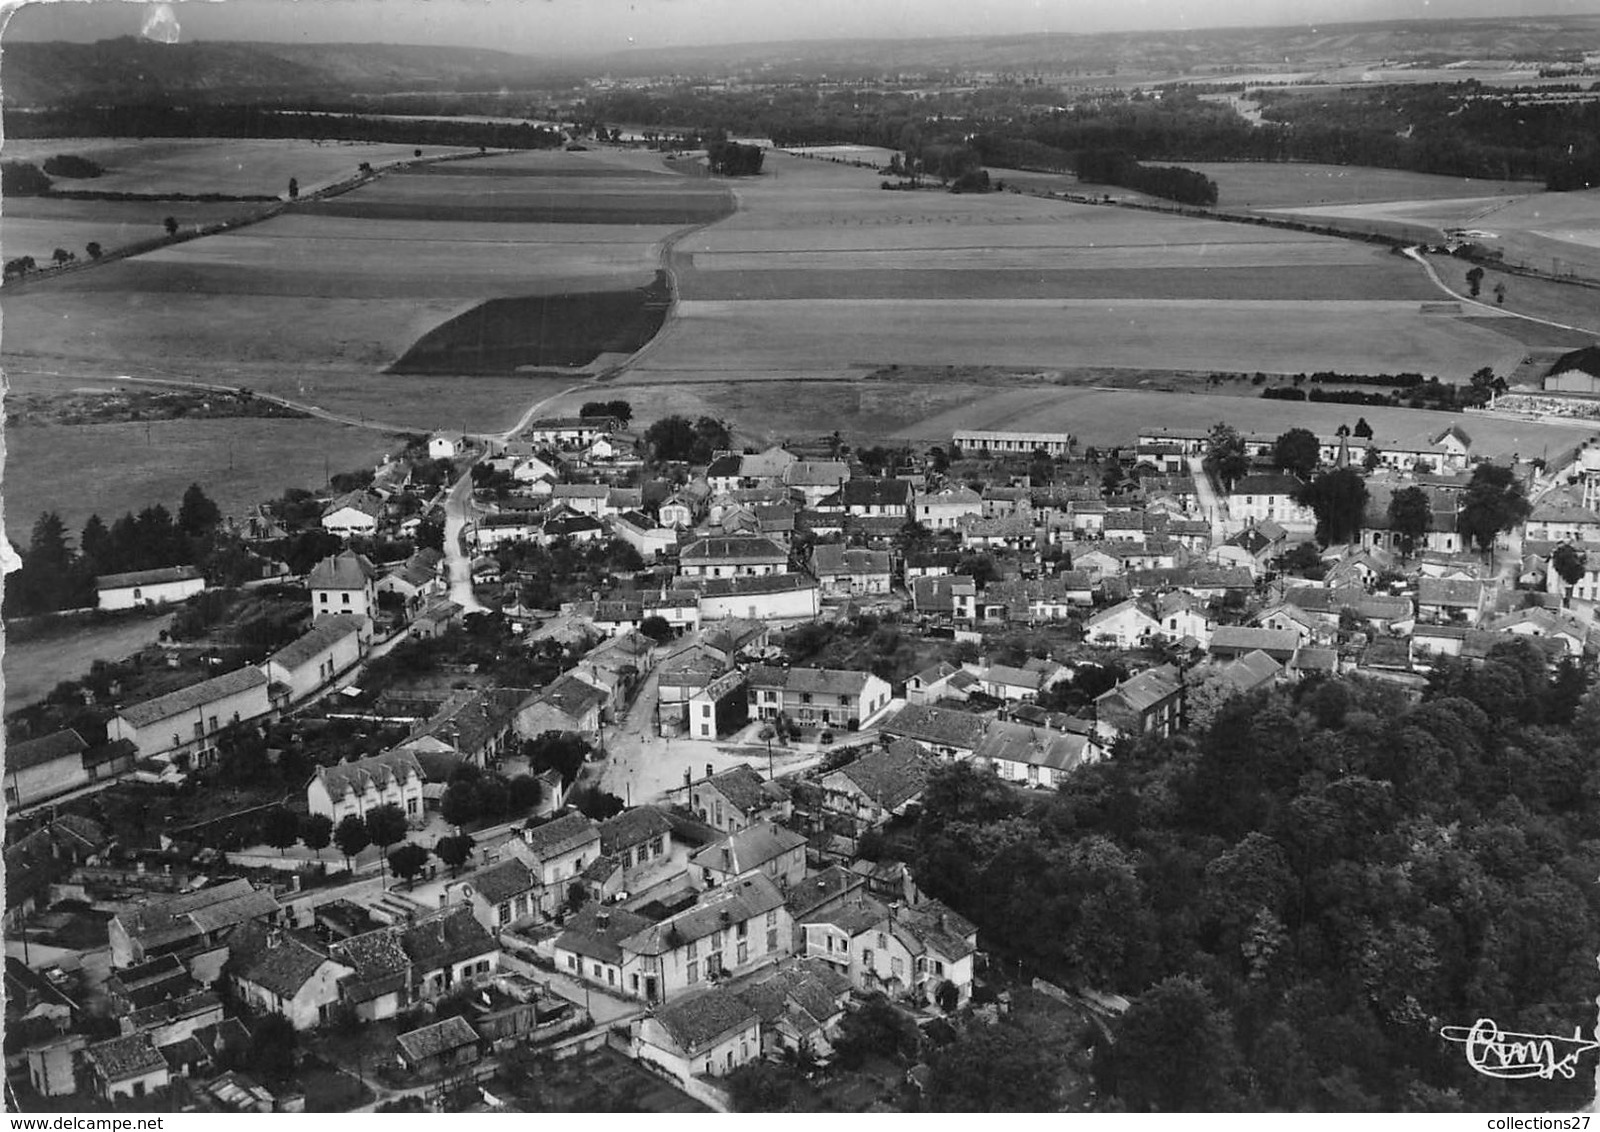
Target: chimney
(602, 919)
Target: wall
(160, 593)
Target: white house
(845, 571)
(817, 697)
(333, 646)
(942, 509)
(732, 556)
(530, 469)
(343, 583)
(899, 951)
(181, 727)
(442, 447)
(708, 1035)
(392, 778)
(1274, 496)
(147, 587)
(275, 972)
(778, 597)
(649, 537)
(355, 513)
(1125, 623)
(732, 929)
(44, 768)
(1184, 615)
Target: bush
(71, 166)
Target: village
(587, 757)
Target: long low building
(182, 726)
(331, 647)
(987, 440)
(148, 587)
(773, 597)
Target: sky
(543, 27)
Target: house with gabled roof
(1251, 671)
(187, 921)
(817, 697)
(1147, 703)
(567, 704)
(445, 950)
(354, 513)
(730, 556)
(943, 681)
(942, 509)
(731, 930)
(590, 945)
(1011, 683)
(898, 950)
(439, 1048)
(274, 971)
(500, 895)
(1232, 641)
(881, 783)
(343, 583)
(161, 586)
(1463, 601)
(815, 480)
(709, 1034)
(641, 840)
(330, 648)
(557, 852)
(945, 731)
(1272, 495)
(1127, 625)
(850, 571)
(945, 595)
(1033, 755)
(801, 1005)
(763, 848)
(44, 768)
(391, 778)
(734, 799)
(890, 497)
(128, 1068)
(181, 727)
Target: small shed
(439, 1048)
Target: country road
(1416, 254)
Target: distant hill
(130, 69)
(1174, 52)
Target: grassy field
(112, 468)
(233, 166)
(1559, 302)
(36, 226)
(34, 667)
(1277, 337)
(1263, 184)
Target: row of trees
(1170, 182)
(55, 576)
(620, 410)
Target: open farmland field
(495, 194)
(36, 226)
(833, 335)
(112, 468)
(822, 272)
(1263, 184)
(231, 166)
(1558, 233)
(316, 307)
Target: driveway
(458, 511)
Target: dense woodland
(1298, 896)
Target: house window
(572, 965)
(323, 597)
(743, 929)
(693, 950)
(694, 971)
(866, 956)
(744, 954)
(897, 966)
(411, 807)
(772, 918)
(883, 940)
(938, 967)
(346, 598)
(503, 912)
(772, 939)
(805, 697)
